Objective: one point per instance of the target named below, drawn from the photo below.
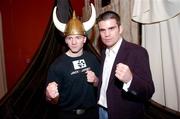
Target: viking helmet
(74, 25)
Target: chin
(109, 45)
(75, 51)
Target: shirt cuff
(126, 85)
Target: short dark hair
(109, 15)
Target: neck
(74, 54)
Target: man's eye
(102, 30)
(69, 38)
(112, 28)
(79, 37)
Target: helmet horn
(89, 24)
(60, 26)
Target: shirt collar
(115, 48)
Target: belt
(79, 111)
(103, 107)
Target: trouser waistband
(103, 107)
(78, 111)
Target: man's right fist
(52, 93)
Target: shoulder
(59, 61)
(88, 54)
(134, 48)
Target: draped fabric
(151, 11)
(64, 6)
(161, 37)
(3, 86)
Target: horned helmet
(74, 26)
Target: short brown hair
(109, 15)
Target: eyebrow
(112, 27)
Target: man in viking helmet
(72, 77)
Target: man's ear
(121, 29)
(85, 38)
(65, 40)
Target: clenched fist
(123, 73)
(52, 93)
(91, 77)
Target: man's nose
(74, 41)
(107, 33)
